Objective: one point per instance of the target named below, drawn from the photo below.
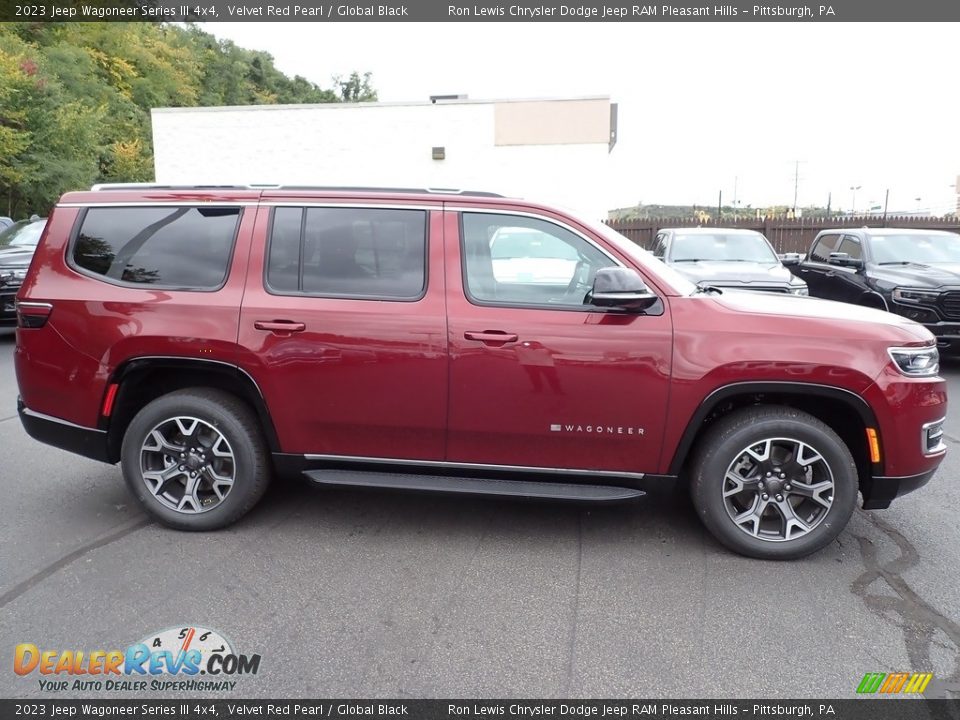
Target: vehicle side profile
(910, 272)
(732, 258)
(209, 339)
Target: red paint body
(402, 380)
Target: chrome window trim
(363, 205)
(162, 203)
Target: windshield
(920, 248)
(739, 247)
(22, 234)
(645, 259)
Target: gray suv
(728, 258)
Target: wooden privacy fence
(785, 234)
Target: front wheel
(195, 459)
(773, 483)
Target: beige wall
(554, 122)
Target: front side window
(825, 245)
(173, 247)
(367, 253)
(850, 246)
(527, 261)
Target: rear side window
(367, 253)
(185, 248)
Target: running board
(475, 486)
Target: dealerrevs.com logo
(177, 659)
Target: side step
(475, 486)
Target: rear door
(344, 327)
(538, 379)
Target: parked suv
(911, 272)
(727, 258)
(17, 243)
(209, 338)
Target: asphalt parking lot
(354, 594)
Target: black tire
(220, 414)
(725, 444)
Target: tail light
(33, 314)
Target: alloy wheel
(778, 489)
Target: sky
(704, 108)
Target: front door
(538, 378)
(344, 327)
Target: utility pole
(796, 185)
(719, 205)
(829, 198)
(735, 178)
(886, 201)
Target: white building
(555, 150)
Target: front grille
(950, 304)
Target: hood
(724, 272)
(16, 256)
(817, 309)
(917, 275)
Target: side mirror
(844, 260)
(623, 288)
(790, 259)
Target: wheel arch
(141, 380)
(847, 413)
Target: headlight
(20, 274)
(916, 362)
(927, 297)
(801, 290)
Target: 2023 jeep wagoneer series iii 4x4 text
(209, 338)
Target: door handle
(280, 326)
(491, 337)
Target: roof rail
(272, 186)
(160, 186)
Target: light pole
(853, 200)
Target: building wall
(488, 146)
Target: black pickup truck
(910, 272)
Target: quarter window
(348, 252)
(175, 247)
(526, 261)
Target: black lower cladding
(475, 480)
(879, 492)
(89, 442)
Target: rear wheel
(773, 483)
(196, 459)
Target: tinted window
(825, 245)
(527, 261)
(348, 252)
(283, 268)
(660, 246)
(178, 247)
(851, 246)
